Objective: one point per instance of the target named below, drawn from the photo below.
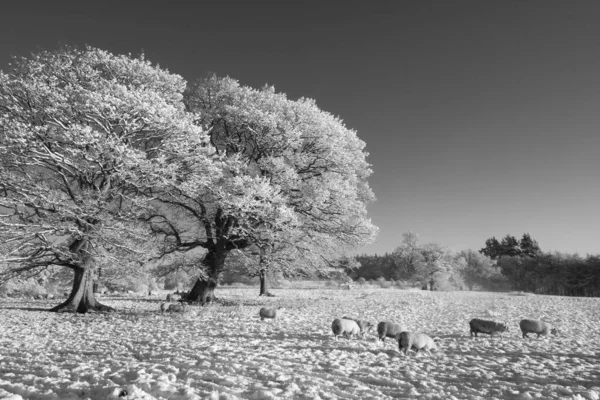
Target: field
(226, 352)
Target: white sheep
(171, 297)
(537, 327)
(365, 326)
(346, 327)
(416, 341)
(176, 308)
(270, 313)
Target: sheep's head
(434, 347)
(367, 326)
(554, 331)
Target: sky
(481, 118)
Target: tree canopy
(511, 247)
(83, 134)
(287, 172)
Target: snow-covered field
(226, 352)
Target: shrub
(361, 281)
(142, 283)
(25, 288)
(178, 280)
(384, 284)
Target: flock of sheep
(417, 341)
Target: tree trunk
(264, 284)
(82, 297)
(203, 290)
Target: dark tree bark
(264, 284)
(203, 290)
(82, 297)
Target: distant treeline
(555, 274)
(509, 264)
(529, 269)
(385, 266)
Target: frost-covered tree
(82, 134)
(475, 267)
(288, 170)
(408, 255)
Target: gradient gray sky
(481, 117)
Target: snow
(225, 352)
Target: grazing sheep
(416, 341)
(171, 297)
(346, 327)
(365, 326)
(537, 327)
(176, 308)
(269, 313)
(164, 307)
(388, 329)
(489, 327)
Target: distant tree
(409, 255)
(492, 248)
(511, 247)
(528, 246)
(439, 265)
(476, 267)
(81, 136)
(286, 170)
(433, 257)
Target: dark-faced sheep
(346, 327)
(537, 327)
(388, 329)
(164, 307)
(416, 341)
(365, 326)
(489, 327)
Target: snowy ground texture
(226, 352)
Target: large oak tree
(83, 134)
(288, 170)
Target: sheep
(537, 327)
(270, 313)
(388, 329)
(489, 327)
(171, 297)
(365, 326)
(164, 307)
(176, 308)
(417, 341)
(346, 327)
